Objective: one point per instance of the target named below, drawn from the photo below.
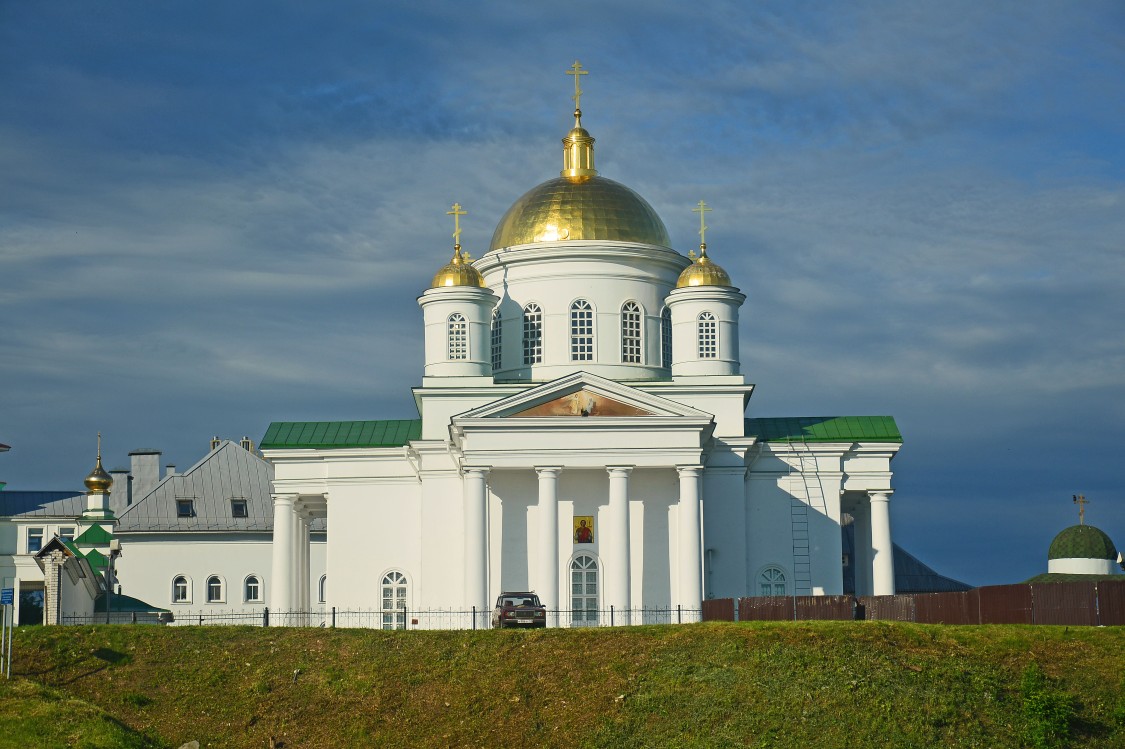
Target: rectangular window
(666, 339)
(581, 331)
(66, 533)
(631, 333)
(458, 337)
(238, 508)
(185, 508)
(34, 540)
(496, 348)
(532, 334)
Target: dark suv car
(518, 609)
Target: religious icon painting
(583, 529)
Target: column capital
(689, 470)
(479, 470)
(548, 470)
(619, 470)
(884, 494)
(285, 499)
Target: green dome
(1082, 542)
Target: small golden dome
(458, 272)
(703, 272)
(98, 482)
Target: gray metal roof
(64, 504)
(227, 472)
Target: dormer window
(238, 508)
(185, 508)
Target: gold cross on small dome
(457, 213)
(576, 70)
(702, 210)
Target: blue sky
(213, 217)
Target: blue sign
(7, 596)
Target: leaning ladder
(805, 491)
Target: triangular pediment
(584, 402)
(582, 394)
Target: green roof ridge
(824, 429)
(95, 534)
(341, 434)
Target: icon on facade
(583, 529)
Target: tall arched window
(771, 582)
(253, 588)
(394, 600)
(708, 336)
(581, 331)
(631, 333)
(495, 340)
(181, 590)
(532, 334)
(323, 587)
(458, 337)
(214, 589)
(666, 338)
(584, 590)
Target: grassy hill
(822, 684)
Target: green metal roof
(94, 535)
(97, 560)
(340, 434)
(824, 429)
(1082, 542)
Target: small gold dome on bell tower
(98, 482)
(458, 271)
(702, 271)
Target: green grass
(765, 684)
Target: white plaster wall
(724, 532)
(1079, 566)
(149, 562)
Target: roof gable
(582, 394)
(93, 535)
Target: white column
(476, 538)
(281, 588)
(861, 535)
(691, 537)
(547, 585)
(303, 558)
(882, 552)
(615, 545)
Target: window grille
(532, 334)
(496, 340)
(394, 600)
(771, 582)
(666, 338)
(458, 337)
(708, 337)
(581, 331)
(584, 590)
(631, 333)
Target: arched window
(581, 331)
(708, 336)
(253, 588)
(458, 337)
(323, 587)
(666, 338)
(214, 589)
(532, 334)
(495, 340)
(181, 590)
(631, 333)
(584, 590)
(394, 600)
(771, 582)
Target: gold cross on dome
(457, 213)
(99, 445)
(1081, 501)
(576, 70)
(702, 210)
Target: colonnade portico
(291, 588)
(615, 558)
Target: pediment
(582, 395)
(584, 402)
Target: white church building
(582, 432)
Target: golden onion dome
(703, 272)
(458, 272)
(98, 482)
(590, 207)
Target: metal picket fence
(395, 619)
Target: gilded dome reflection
(591, 208)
